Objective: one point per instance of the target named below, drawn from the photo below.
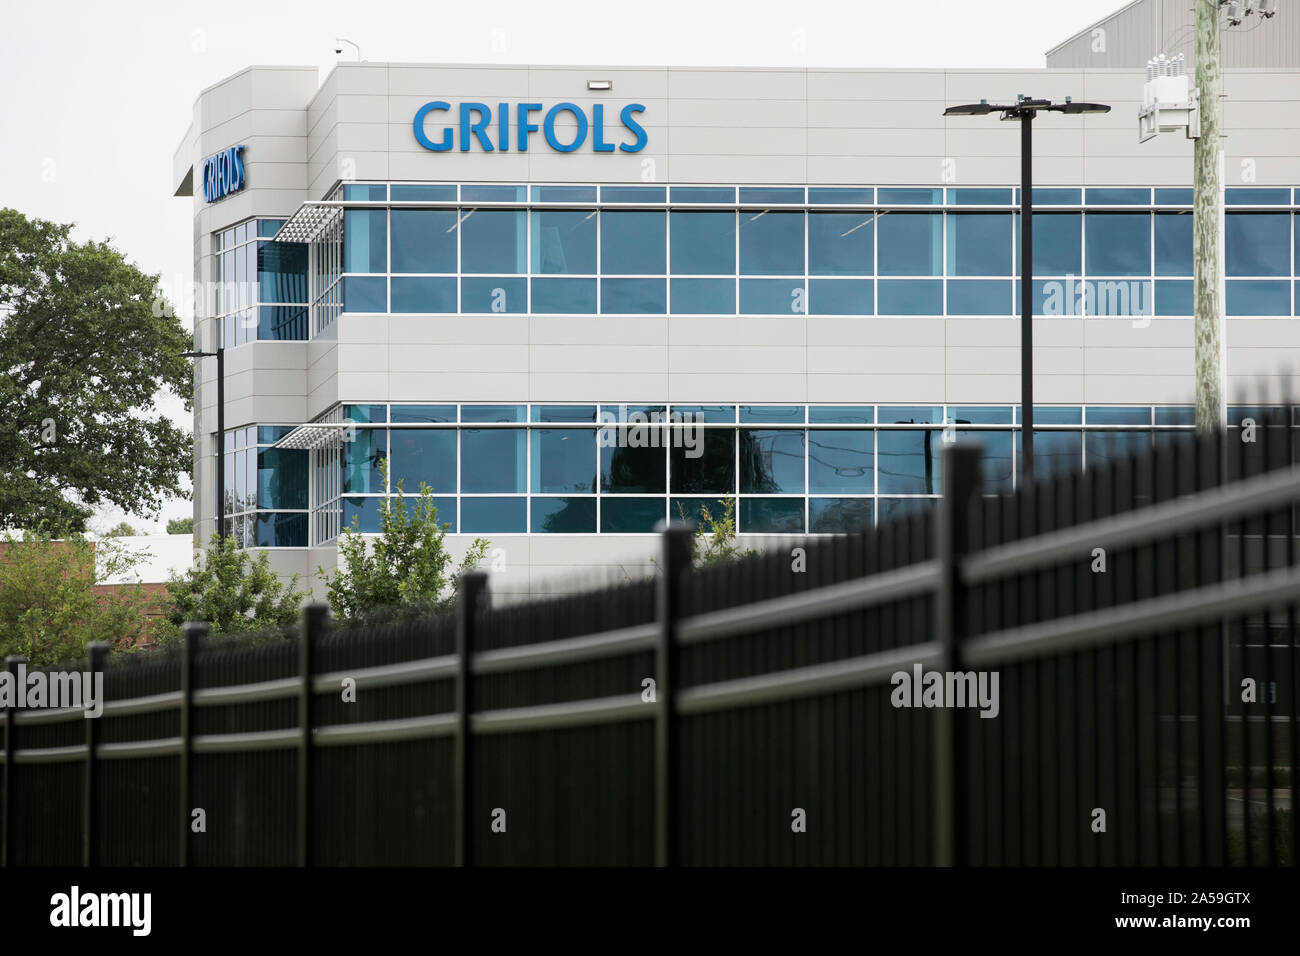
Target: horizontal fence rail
(1100, 669)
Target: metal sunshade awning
(314, 435)
(311, 219)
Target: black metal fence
(1139, 620)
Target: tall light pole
(1025, 109)
(220, 355)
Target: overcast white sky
(94, 97)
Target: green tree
(408, 565)
(49, 608)
(86, 347)
(232, 591)
(180, 526)
(122, 529)
(715, 535)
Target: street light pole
(220, 355)
(1025, 109)
(1026, 297)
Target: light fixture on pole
(1025, 109)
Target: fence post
(961, 485)
(676, 549)
(98, 651)
(470, 589)
(10, 821)
(315, 619)
(193, 634)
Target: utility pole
(1207, 227)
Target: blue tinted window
(725, 194)
(282, 530)
(709, 467)
(494, 294)
(842, 296)
(492, 461)
(910, 244)
(761, 194)
(1117, 196)
(423, 455)
(365, 192)
(979, 197)
(564, 194)
(1117, 244)
(909, 297)
(564, 413)
(1256, 196)
(703, 413)
(909, 461)
(833, 195)
(493, 515)
(365, 240)
(424, 240)
(564, 242)
(632, 459)
(633, 242)
(841, 243)
(362, 458)
(693, 509)
(365, 413)
(1058, 244)
(1173, 197)
(1118, 297)
(770, 516)
(1258, 297)
(266, 228)
(282, 478)
(980, 296)
(632, 193)
(282, 323)
(1055, 451)
(564, 460)
(492, 413)
(1175, 415)
(361, 514)
(491, 240)
(771, 461)
(841, 414)
(911, 414)
(1053, 196)
(577, 296)
(424, 294)
(631, 515)
(771, 243)
(269, 434)
(840, 515)
(704, 296)
(1104, 447)
(423, 193)
(633, 296)
(841, 461)
(703, 243)
(1257, 243)
(564, 516)
(907, 196)
(1118, 415)
(771, 297)
(365, 294)
(1055, 414)
(1174, 297)
(772, 414)
(423, 414)
(980, 244)
(1173, 235)
(980, 414)
(282, 272)
(492, 193)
